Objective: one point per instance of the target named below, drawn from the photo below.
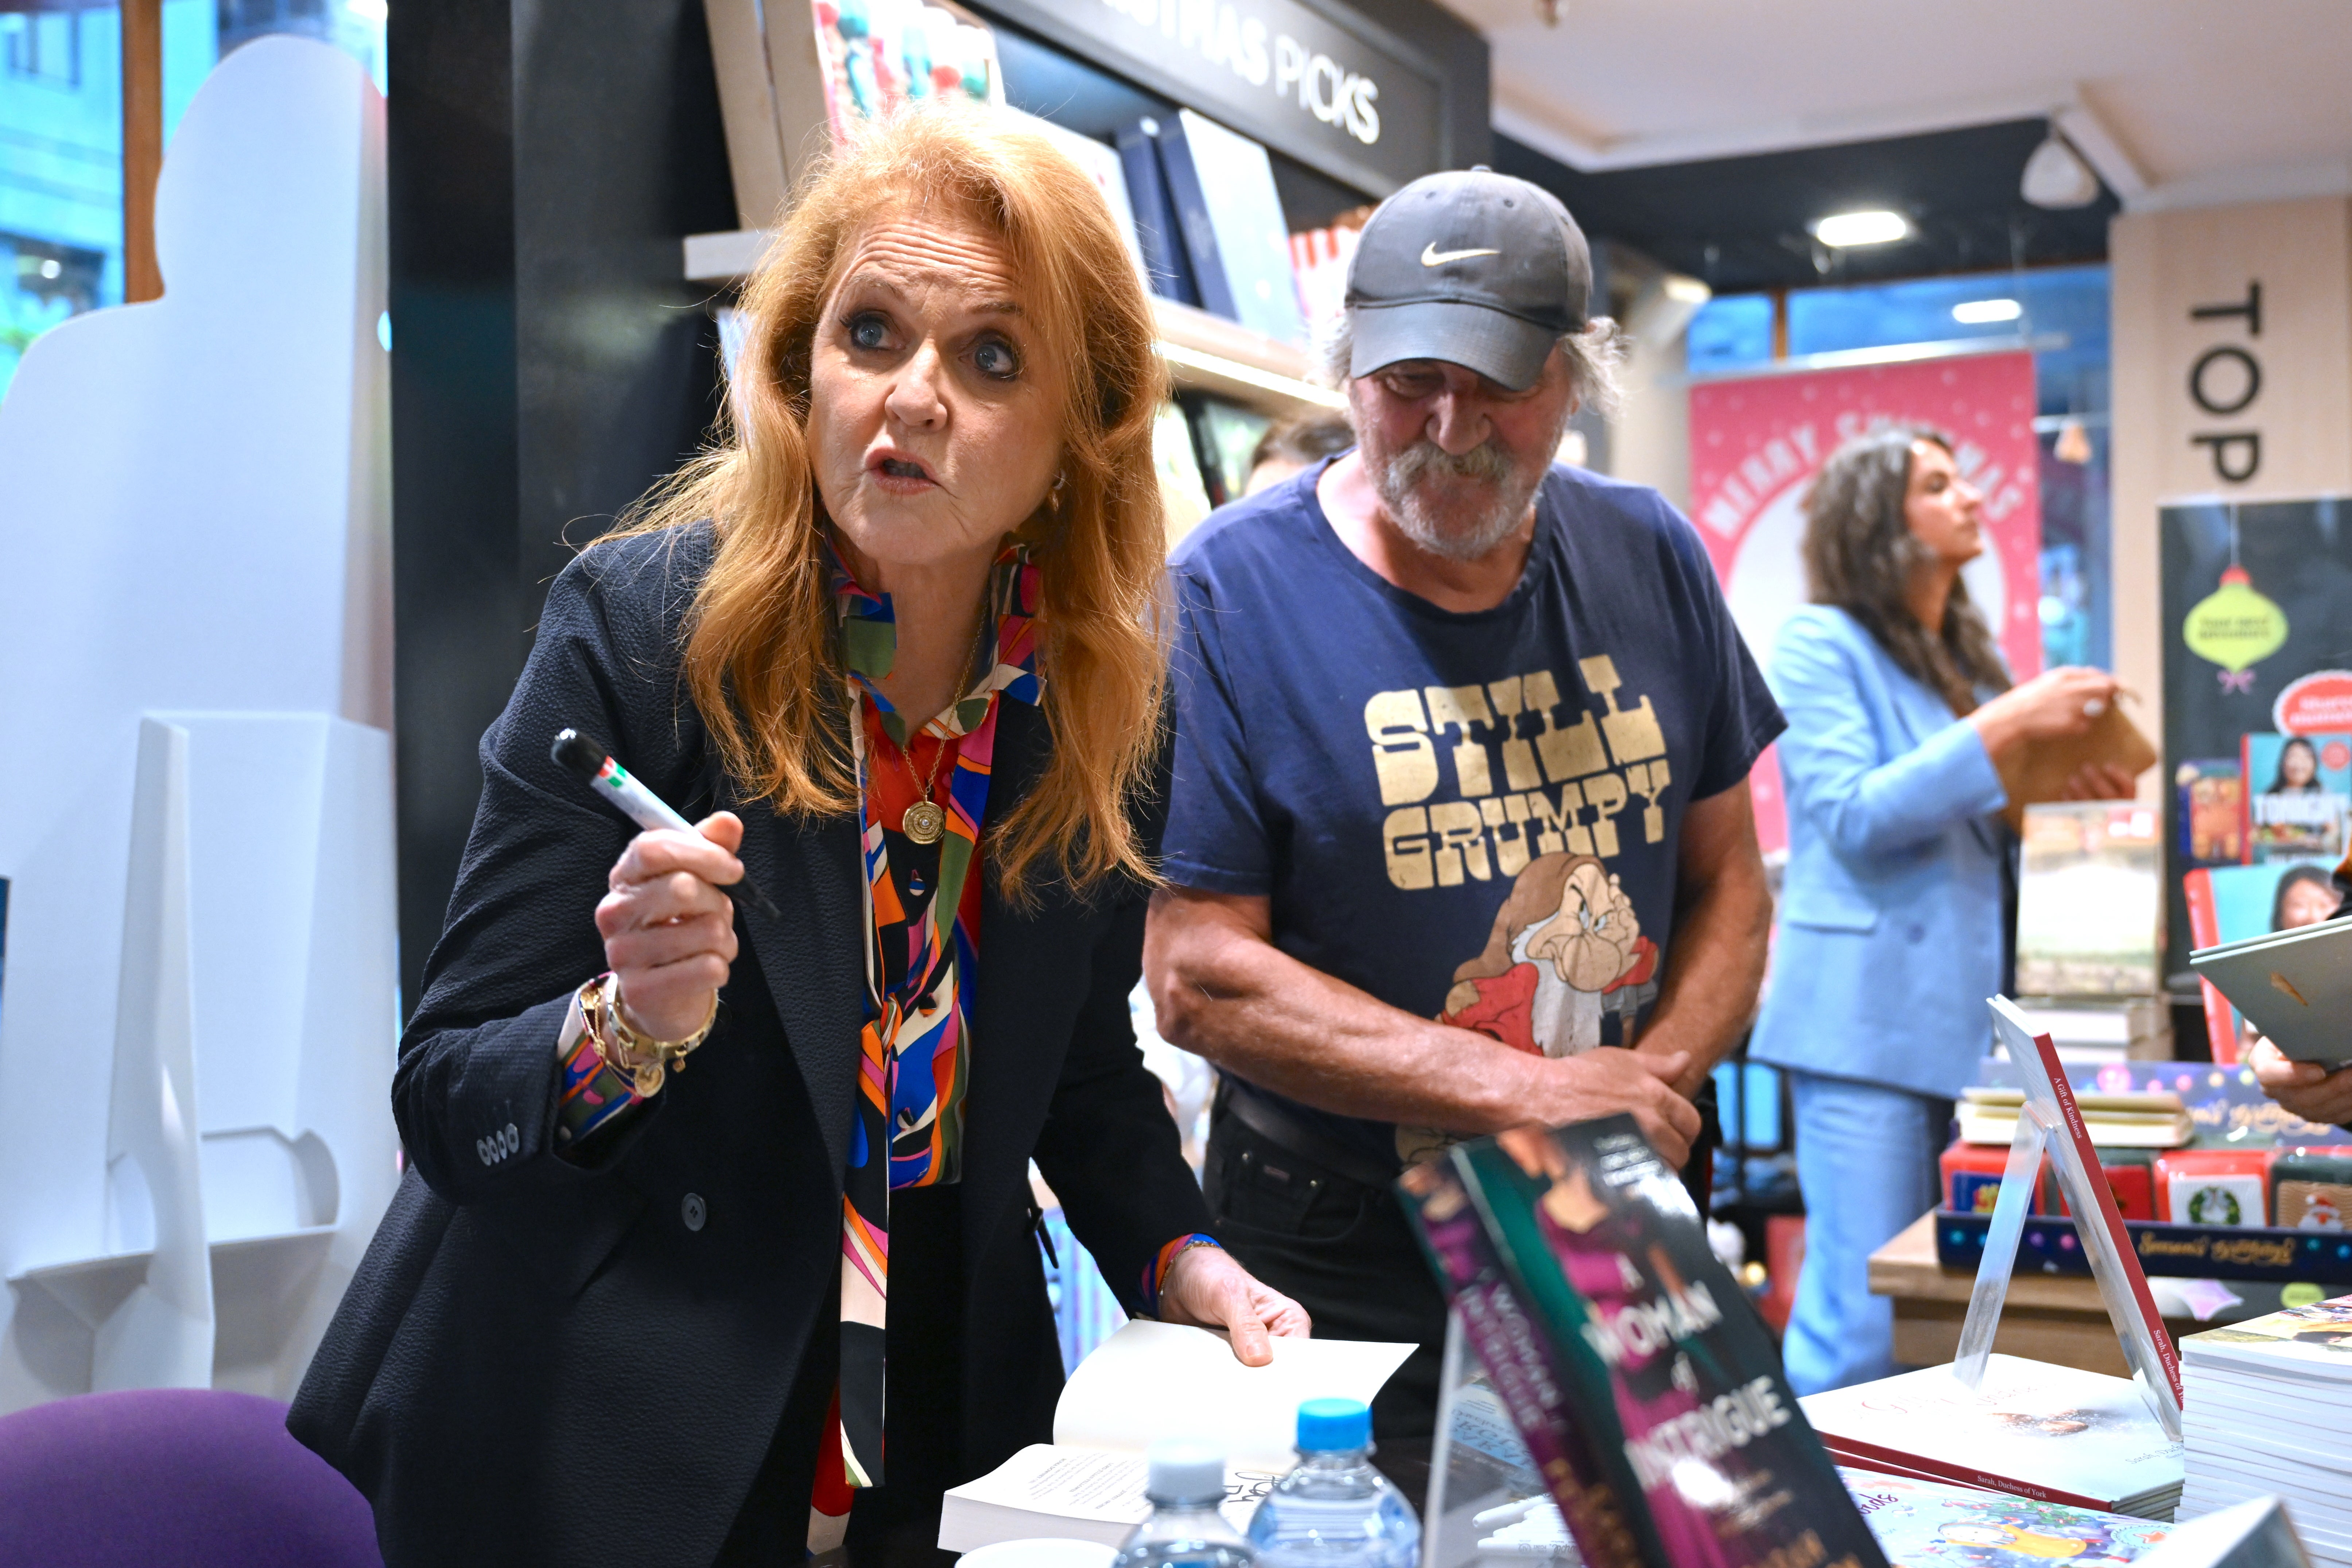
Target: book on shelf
(1643, 1384)
(1184, 494)
(794, 79)
(1165, 268)
(2295, 794)
(2212, 796)
(1147, 1382)
(2052, 1434)
(2142, 1119)
(1230, 217)
(1101, 163)
(1225, 436)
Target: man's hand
(1606, 1081)
(1206, 1289)
(2307, 1089)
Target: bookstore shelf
(1204, 352)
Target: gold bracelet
(647, 1062)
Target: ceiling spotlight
(2056, 176)
(1979, 313)
(1874, 227)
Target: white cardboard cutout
(196, 1017)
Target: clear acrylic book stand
(2049, 1122)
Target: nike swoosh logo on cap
(1432, 257)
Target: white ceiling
(2179, 102)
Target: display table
(2054, 1318)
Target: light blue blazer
(1891, 912)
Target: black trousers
(1345, 1251)
(897, 1524)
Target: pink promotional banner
(1757, 442)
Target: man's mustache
(1424, 457)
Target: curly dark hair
(1860, 556)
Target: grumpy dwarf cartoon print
(1566, 955)
(1566, 951)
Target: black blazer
(539, 1362)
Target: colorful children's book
(1930, 1524)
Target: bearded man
(1432, 678)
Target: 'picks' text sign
(1757, 443)
(1363, 109)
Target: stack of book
(2145, 1119)
(2269, 1410)
(2052, 1434)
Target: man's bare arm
(1723, 925)
(1222, 989)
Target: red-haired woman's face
(934, 422)
(1943, 511)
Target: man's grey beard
(1463, 532)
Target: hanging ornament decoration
(2234, 625)
(2074, 445)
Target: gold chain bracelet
(645, 1063)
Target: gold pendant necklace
(926, 819)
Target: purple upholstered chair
(188, 1477)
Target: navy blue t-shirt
(1472, 817)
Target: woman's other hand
(2307, 1089)
(669, 932)
(1206, 1289)
(2055, 704)
(2100, 781)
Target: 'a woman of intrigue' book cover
(1674, 1382)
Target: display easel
(2050, 1122)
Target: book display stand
(2050, 1122)
(1484, 1484)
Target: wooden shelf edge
(1204, 352)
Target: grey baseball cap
(1469, 267)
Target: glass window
(1729, 331)
(61, 137)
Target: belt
(1270, 1121)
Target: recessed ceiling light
(1977, 312)
(1874, 227)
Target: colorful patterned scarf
(915, 1048)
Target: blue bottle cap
(1334, 1425)
(1185, 1470)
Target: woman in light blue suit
(1894, 914)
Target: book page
(1150, 1380)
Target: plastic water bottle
(1186, 1483)
(1335, 1510)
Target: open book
(1147, 1382)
